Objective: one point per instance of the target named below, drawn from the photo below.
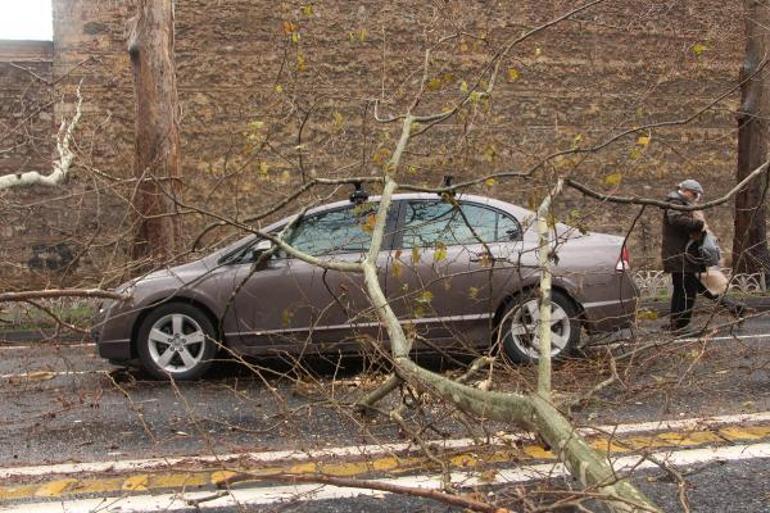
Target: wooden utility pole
(750, 252)
(156, 162)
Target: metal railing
(657, 284)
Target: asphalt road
(62, 403)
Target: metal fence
(657, 284)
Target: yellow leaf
(635, 153)
(396, 269)
(490, 153)
(464, 86)
(538, 52)
(698, 49)
(440, 252)
(338, 120)
(289, 27)
(434, 84)
(425, 297)
(490, 182)
(295, 37)
(397, 265)
(369, 222)
(647, 315)
(576, 140)
(473, 292)
(513, 74)
(278, 88)
(300, 62)
(415, 255)
(613, 180)
(264, 169)
(380, 156)
(643, 140)
(362, 35)
(307, 9)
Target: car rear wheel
(521, 324)
(176, 341)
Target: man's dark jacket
(679, 227)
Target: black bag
(705, 251)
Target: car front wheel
(176, 341)
(521, 324)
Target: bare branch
(637, 200)
(31, 295)
(61, 167)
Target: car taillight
(624, 262)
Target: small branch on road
(194, 503)
(436, 495)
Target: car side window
(428, 223)
(346, 230)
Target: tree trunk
(750, 252)
(156, 163)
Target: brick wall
(250, 72)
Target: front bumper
(111, 332)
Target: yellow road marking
(55, 488)
(220, 476)
(138, 482)
(472, 459)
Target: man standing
(682, 260)
(679, 228)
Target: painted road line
(723, 338)
(476, 458)
(63, 345)
(252, 496)
(148, 464)
(42, 375)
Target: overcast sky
(26, 19)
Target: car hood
(177, 276)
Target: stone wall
(26, 111)
(252, 72)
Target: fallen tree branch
(31, 295)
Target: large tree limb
(544, 261)
(31, 295)
(61, 167)
(533, 411)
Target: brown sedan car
(460, 276)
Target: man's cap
(692, 185)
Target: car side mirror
(263, 245)
(256, 252)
